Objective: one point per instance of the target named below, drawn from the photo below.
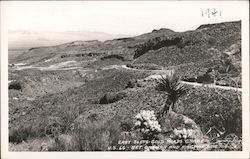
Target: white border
(108, 155)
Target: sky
(117, 17)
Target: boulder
(174, 126)
(112, 97)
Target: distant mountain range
(21, 39)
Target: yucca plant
(174, 89)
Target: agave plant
(174, 89)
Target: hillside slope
(191, 54)
(71, 84)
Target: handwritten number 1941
(211, 13)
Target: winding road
(156, 74)
(160, 73)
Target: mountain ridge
(28, 39)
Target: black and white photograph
(123, 76)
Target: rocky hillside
(69, 84)
(160, 43)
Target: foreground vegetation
(105, 126)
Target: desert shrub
(15, 85)
(113, 56)
(68, 115)
(212, 41)
(59, 122)
(17, 135)
(130, 65)
(173, 88)
(204, 79)
(54, 126)
(24, 130)
(236, 82)
(50, 122)
(61, 142)
(96, 136)
(226, 120)
(155, 139)
(112, 97)
(93, 117)
(132, 83)
(80, 55)
(65, 56)
(147, 124)
(226, 65)
(127, 125)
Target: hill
(207, 47)
(58, 89)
